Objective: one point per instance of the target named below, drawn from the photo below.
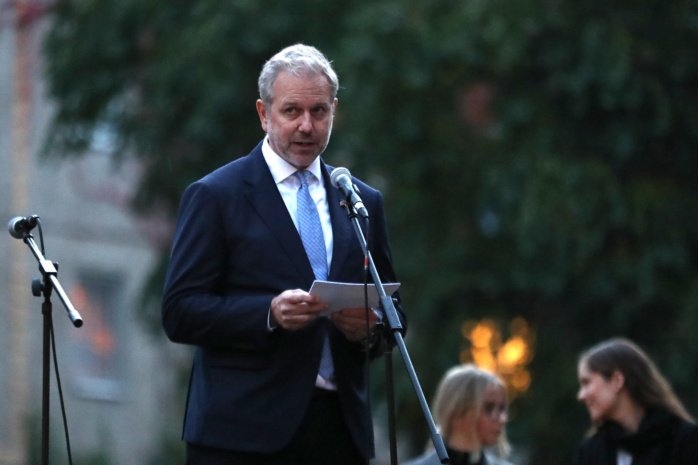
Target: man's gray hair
(302, 61)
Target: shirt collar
(281, 169)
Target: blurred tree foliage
(537, 158)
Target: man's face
(299, 119)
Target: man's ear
(262, 112)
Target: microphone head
(19, 225)
(338, 173)
(15, 231)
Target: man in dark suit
(273, 381)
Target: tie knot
(303, 176)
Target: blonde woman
(471, 410)
(637, 417)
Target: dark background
(538, 161)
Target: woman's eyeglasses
(495, 410)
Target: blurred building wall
(118, 380)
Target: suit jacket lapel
(344, 237)
(265, 199)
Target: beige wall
(117, 379)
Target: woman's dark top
(463, 458)
(661, 439)
(455, 458)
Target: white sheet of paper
(348, 295)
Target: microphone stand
(394, 328)
(50, 282)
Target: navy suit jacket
(235, 248)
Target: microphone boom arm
(49, 271)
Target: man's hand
(352, 322)
(294, 309)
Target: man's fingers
(352, 322)
(294, 309)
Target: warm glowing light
(482, 334)
(506, 358)
(484, 359)
(513, 352)
(521, 380)
(102, 341)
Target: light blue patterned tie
(310, 228)
(313, 239)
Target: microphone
(341, 179)
(20, 225)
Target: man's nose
(305, 124)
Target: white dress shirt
(288, 185)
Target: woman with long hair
(471, 410)
(637, 419)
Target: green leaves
(538, 159)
